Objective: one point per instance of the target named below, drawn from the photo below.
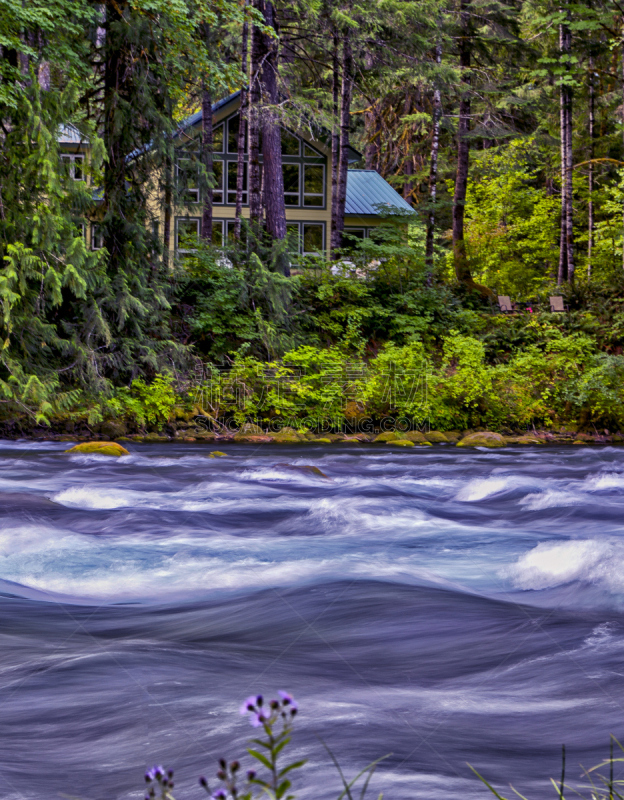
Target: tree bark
(242, 130)
(271, 132)
(206, 154)
(433, 169)
(253, 122)
(373, 130)
(563, 132)
(569, 219)
(168, 194)
(590, 178)
(343, 161)
(335, 139)
(460, 257)
(114, 166)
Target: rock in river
(482, 439)
(101, 448)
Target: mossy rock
(386, 436)
(288, 438)
(288, 435)
(402, 443)
(101, 448)
(217, 454)
(414, 436)
(322, 440)
(523, 440)
(482, 439)
(580, 441)
(250, 429)
(436, 437)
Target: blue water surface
(438, 605)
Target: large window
(217, 189)
(233, 124)
(291, 144)
(217, 139)
(307, 238)
(74, 165)
(187, 176)
(303, 167)
(232, 177)
(188, 231)
(313, 185)
(97, 237)
(187, 234)
(291, 184)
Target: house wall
(307, 213)
(307, 220)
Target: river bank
(199, 431)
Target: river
(442, 605)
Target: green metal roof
(368, 194)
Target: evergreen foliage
(528, 117)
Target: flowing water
(441, 605)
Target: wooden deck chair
(557, 305)
(505, 304)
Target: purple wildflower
(259, 718)
(288, 700)
(248, 705)
(220, 794)
(155, 773)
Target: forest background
(501, 123)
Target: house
(307, 185)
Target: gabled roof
(69, 134)
(369, 194)
(196, 118)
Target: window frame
(186, 220)
(228, 191)
(96, 235)
(300, 225)
(178, 169)
(296, 194)
(305, 194)
(72, 159)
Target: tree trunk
(115, 164)
(335, 139)
(590, 178)
(343, 161)
(253, 122)
(271, 132)
(242, 130)
(569, 219)
(206, 156)
(372, 128)
(460, 257)
(433, 169)
(563, 132)
(168, 195)
(623, 128)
